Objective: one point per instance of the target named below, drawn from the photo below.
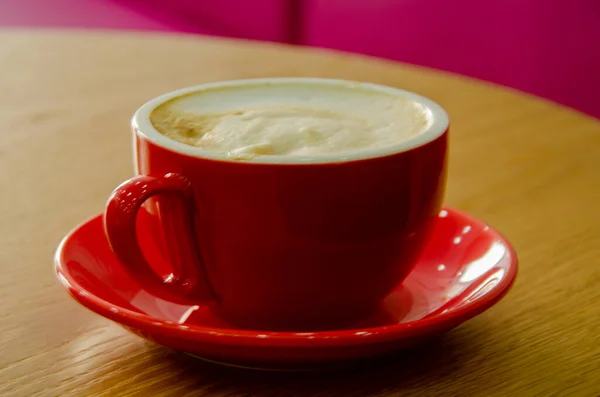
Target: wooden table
(527, 166)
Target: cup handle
(189, 281)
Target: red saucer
(466, 268)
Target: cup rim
(142, 125)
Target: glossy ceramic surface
(268, 238)
(466, 268)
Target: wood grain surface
(527, 166)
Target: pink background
(548, 48)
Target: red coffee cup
(278, 242)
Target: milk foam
(289, 119)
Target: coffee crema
(289, 119)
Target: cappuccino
(289, 119)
